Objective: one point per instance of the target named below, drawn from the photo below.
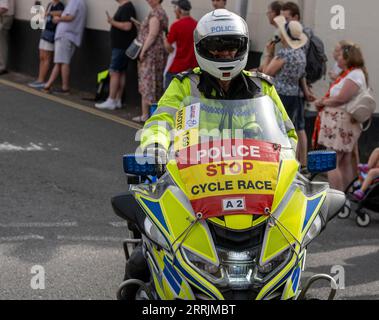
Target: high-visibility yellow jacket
(157, 129)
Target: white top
(8, 4)
(356, 75)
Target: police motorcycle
(229, 216)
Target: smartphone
(276, 40)
(135, 21)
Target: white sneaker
(109, 104)
(118, 104)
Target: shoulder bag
(362, 106)
(48, 35)
(134, 49)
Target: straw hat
(292, 32)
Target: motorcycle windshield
(228, 154)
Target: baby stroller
(369, 202)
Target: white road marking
(7, 147)
(119, 224)
(40, 225)
(21, 238)
(90, 238)
(339, 256)
(31, 147)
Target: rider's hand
(158, 152)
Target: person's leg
(3, 48)
(44, 66)
(6, 24)
(67, 49)
(302, 148)
(121, 87)
(54, 75)
(335, 177)
(65, 77)
(371, 176)
(348, 173)
(145, 107)
(117, 81)
(114, 85)
(373, 161)
(58, 61)
(355, 159)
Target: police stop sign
(224, 177)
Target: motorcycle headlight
(268, 270)
(204, 267)
(238, 267)
(155, 235)
(313, 231)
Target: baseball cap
(183, 4)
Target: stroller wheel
(346, 211)
(363, 220)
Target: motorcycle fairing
(171, 285)
(291, 287)
(173, 218)
(290, 223)
(287, 172)
(288, 278)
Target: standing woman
(152, 59)
(46, 44)
(288, 68)
(338, 130)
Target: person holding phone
(273, 11)
(123, 32)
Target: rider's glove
(158, 152)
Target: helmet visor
(223, 43)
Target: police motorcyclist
(221, 48)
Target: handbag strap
(369, 122)
(48, 10)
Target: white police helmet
(217, 31)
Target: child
(372, 170)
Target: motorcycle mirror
(321, 161)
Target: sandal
(140, 119)
(46, 90)
(61, 91)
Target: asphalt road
(59, 168)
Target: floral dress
(338, 130)
(150, 71)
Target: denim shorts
(294, 106)
(119, 60)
